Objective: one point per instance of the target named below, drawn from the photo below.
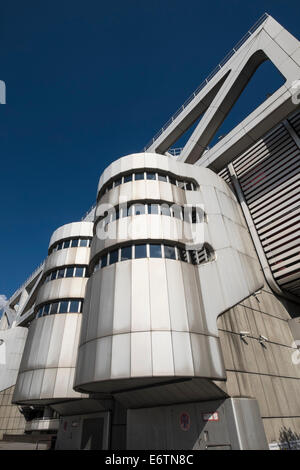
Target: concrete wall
(263, 370)
(11, 420)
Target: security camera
(263, 338)
(244, 334)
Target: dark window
(181, 184)
(155, 251)
(139, 176)
(152, 208)
(46, 309)
(117, 214)
(177, 211)
(127, 178)
(139, 209)
(162, 178)
(172, 180)
(130, 210)
(188, 186)
(170, 252)
(150, 175)
(104, 261)
(84, 242)
(140, 251)
(39, 314)
(69, 272)
(54, 308)
(109, 187)
(165, 210)
(61, 273)
(79, 272)
(67, 243)
(126, 253)
(63, 308)
(74, 306)
(118, 182)
(113, 256)
(75, 242)
(53, 275)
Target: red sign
(210, 416)
(185, 421)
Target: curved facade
(47, 368)
(158, 279)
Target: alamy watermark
(185, 222)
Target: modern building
(169, 317)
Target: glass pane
(170, 252)
(181, 184)
(109, 187)
(118, 182)
(139, 209)
(139, 176)
(74, 306)
(54, 308)
(59, 246)
(150, 175)
(83, 242)
(165, 210)
(130, 210)
(126, 253)
(153, 209)
(46, 309)
(155, 251)
(162, 178)
(140, 251)
(53, 275)
(67, 243)
(127, 178)
(79, 272)
(48, 278)
(75, 242)
(188, 186)
(63, 308)
(104, 261)
(177, 211)
(39, 314)
(113, 256)
(61, 273)
(69, 272)
(172, 180)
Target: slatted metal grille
(268, 174)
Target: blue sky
(88, 82)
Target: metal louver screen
(268, 173)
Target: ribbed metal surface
(268, 174)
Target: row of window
(63, 306)
(71, 243)
(149, 175)
(187, 213)
(155, 250)
(70, 271)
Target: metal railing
(209, 77)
